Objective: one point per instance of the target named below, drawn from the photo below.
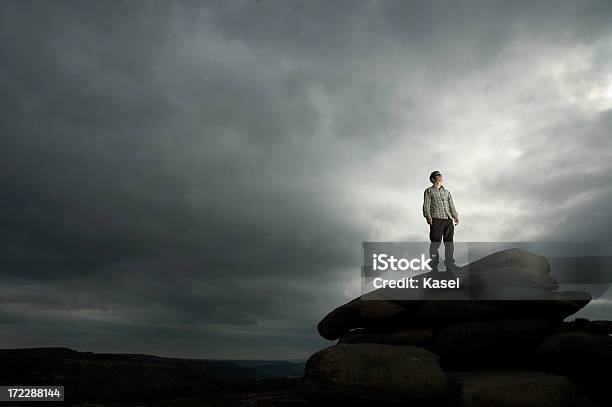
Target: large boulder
(582, 356)
(578, 350)
(367, 372)
(514, 388)
(510, 268)
(497, 343)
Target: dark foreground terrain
(133, 380)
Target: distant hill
(89, 376)
(273, 368)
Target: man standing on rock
(440, 212)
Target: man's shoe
(453, 267)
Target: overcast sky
(195, 179)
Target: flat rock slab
(441, 312)
(367, 372)
(384, 314)
(360, 313)
(415, 336)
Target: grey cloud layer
(199, 176)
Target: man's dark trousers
(438, 230)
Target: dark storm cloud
(195, 179)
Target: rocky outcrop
(478, 346)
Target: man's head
(435, 176)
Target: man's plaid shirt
(438, 203)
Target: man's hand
(456, 220)
(429, 220)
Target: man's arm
(452, 207)
(427, 205)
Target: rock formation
(418, 347)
